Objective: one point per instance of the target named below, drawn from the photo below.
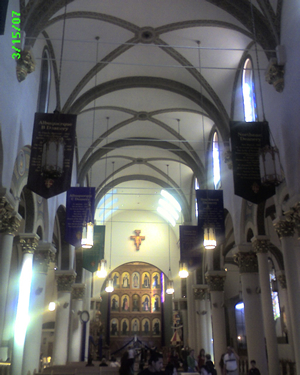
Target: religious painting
(124, 327)
(135, 326)
(156, 327)
(115, 302)
(125, 302)
(135, 280)
(155, 280)
(116, 279)
(114, 327)
(135, 302)
(125, 280)
(146, 303)
(146, 280)
(145, 327)
(155, 303)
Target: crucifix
(137, 239)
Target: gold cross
(137, 239)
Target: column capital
(9, 219)
(280, 276)
(215, 280)
(247, 261)
(260, 244)
(200, 291)
(65, 280)
(284, 227)
(28, 242)
(43, 255)
(78, 291)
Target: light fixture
(183, 270)
(87, 239)
(209, 241)
(109, 286)
(270, 167)
(170, 287)
(52, 306)
(102, 269)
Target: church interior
(179, 118)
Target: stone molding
(9, 219)
(200, 292)
(215, 280)
(247, 262)
(280, 276)
(65, 280)
(43, 255)
(284, 228)
(260, 244)
(78, 291)
(28, 242)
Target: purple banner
(52, 150)
(80, 209)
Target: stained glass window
(249, 92)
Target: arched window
(45, 80)
(216, 161)
(249, 92)
(274, 290)
(196, 187)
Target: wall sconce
(210, 241)
(102, 269)
(109, 286)
(183, 270)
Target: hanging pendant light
(270, 168)
(102, 269)
(210, 241)
(183, 270)
(109, 286)
(87, 238)
(170, 287)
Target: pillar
(215, 281)
(75, 323)
(248, 267)
(65, 280)
(28, 243)
(261, 247)
(191, 311)
(285, 231)
(9, 224)
(200, 295)
(42, 257)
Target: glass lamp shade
(183, 270)
(209, 238)
(102, 269)
(170, 287)
(269, 165)
(109, 286)
(87, 239)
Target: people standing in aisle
(201, 358)
(210, 365)
(231, 361)
(253, 370)
(204, 370)
(191, 361)
(155, 364)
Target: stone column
(65, 280)
(191, 313)
(42, 257)
(215, 281)
(248, 266)
(28, 243)
(200, 295)
(261, 246)
(285, 231)
(9, 224)
(75, 323)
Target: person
(191, 361)
(155, 364)
(253, 370)
(170, 369)
(230, 362)
(204, 370)
(210, 365)
(201, 358)
(103, 362)
(114, 362)
(125, 368)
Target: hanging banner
(211, 211)
(80, 208)
(52, 150)
(246, 140)
(190, 246)
(92, 256)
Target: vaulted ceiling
(150, 81)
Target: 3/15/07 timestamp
(16, 35)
